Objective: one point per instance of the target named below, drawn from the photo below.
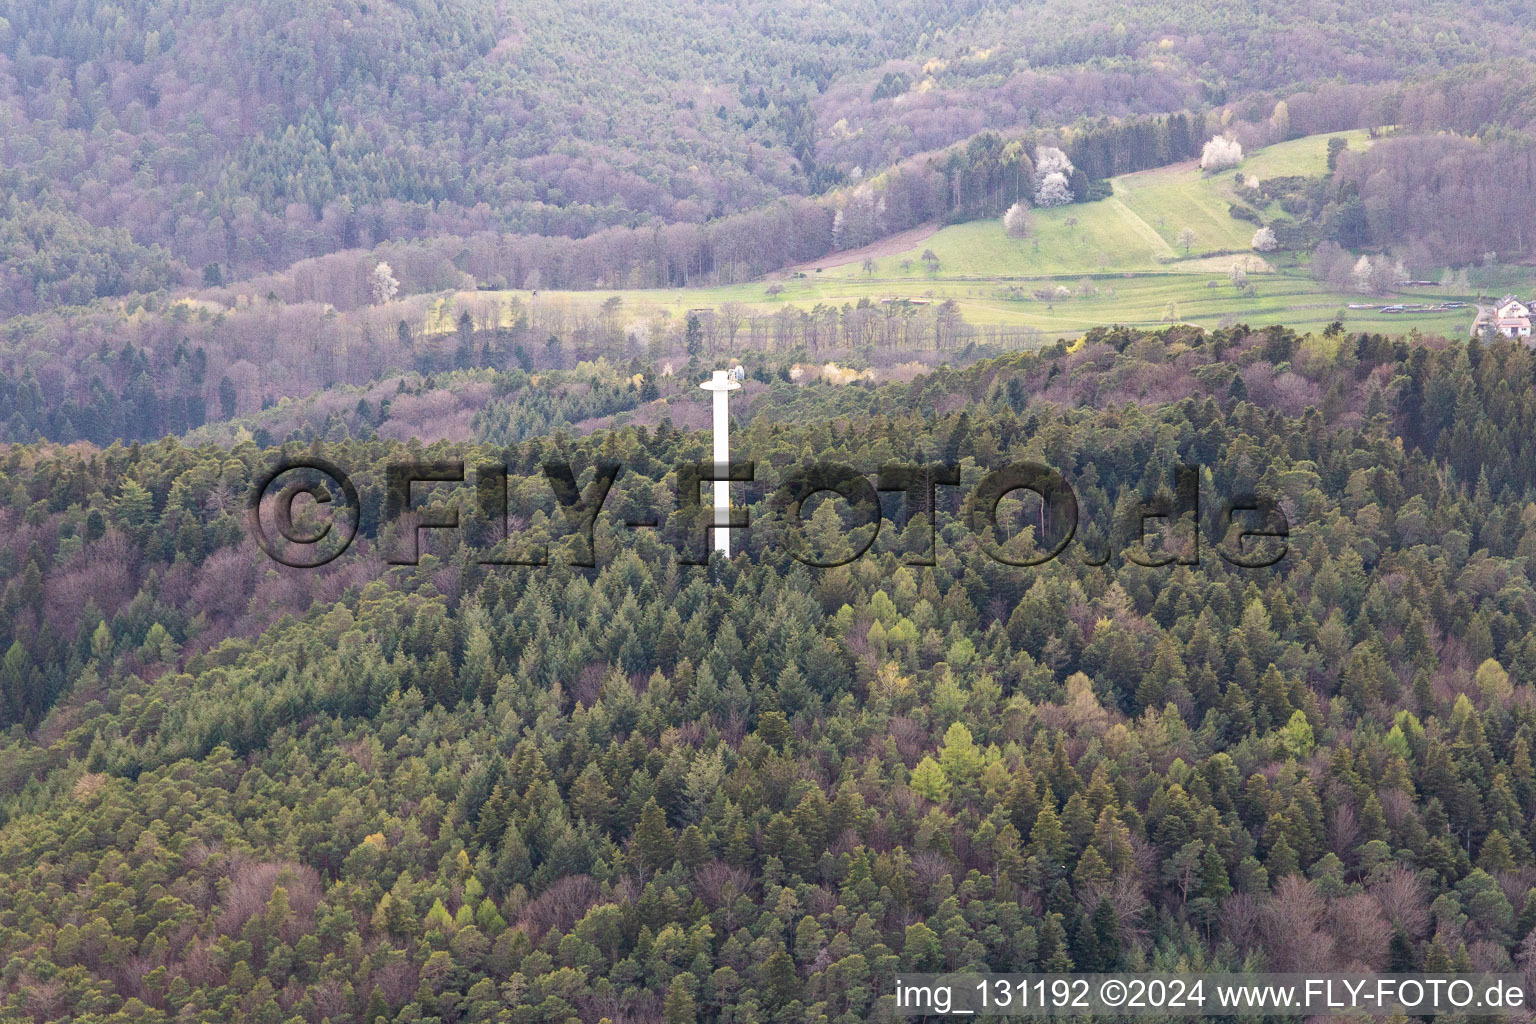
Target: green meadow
(1095, 300)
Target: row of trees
(1460, 197)
(99, 376)
(1467, 100)
(1106, 149)
(1430, 200)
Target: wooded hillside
(755, 791)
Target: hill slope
(1114, 261)
(251, 137)
(369, 792)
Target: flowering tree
(1374, 275)
(1016, 221)
(1264, 240)
(1054, 191)
(1220, 153)
(382, 282)
(1050, 160)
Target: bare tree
(1241, 918)
(1400, 894)
(561, 905)
(1359, 931)
(1525, 956)
(1343, 830)
(1292, 927)
(732, 314)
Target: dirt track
(890, 245)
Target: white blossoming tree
(1220, 153)
(1264, 240)
(1054, 191)
(382, 282)
(1050, 160)
(1362, 275)
(1016, 221)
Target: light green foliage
(1296, 737)
(958, 756)
(929, 780)
(1493, 681)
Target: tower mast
(722, 385)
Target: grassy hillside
(1119, 259)
(1136, 229)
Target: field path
(1144, 229)
(890, 245)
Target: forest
(555, 763)
(434, 792)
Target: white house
(1509, 316)
(1512, 318)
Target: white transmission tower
(722, 384)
